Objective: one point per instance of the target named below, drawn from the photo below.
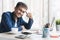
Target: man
(14, 19)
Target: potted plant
(58, 24)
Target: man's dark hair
(21, 4)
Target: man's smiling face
(19, 11)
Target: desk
(4, 36)
(7, 36)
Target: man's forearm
(30, 23)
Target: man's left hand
(29, 15)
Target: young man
(14, 19)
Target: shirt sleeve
(29, 24)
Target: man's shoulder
(6, 13)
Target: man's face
(19, 11)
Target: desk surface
(5, 36)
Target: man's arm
(6, 21)
(29, 24)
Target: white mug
(14, 30)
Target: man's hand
(29, 15)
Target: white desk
(4, 36)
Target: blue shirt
(7, 22)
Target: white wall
(55, 8)
(46, 16)
(0, 9)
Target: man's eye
(23, 11)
